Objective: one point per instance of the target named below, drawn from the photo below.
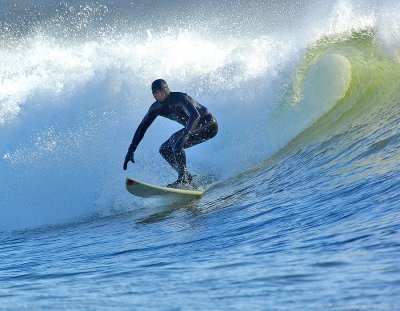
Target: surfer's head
(160, 90)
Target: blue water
(301, 210)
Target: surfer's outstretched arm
(139, 134)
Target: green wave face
(344, 83)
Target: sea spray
(70, 104)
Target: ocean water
(302, 204)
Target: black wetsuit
(199, 126)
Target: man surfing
(199, 125)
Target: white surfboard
(145, 190)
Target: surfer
(199, 126)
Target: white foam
(68, 110)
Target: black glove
(129, 156)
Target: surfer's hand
(129, 157)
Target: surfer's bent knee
(165, 148)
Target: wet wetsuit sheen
(199, 126)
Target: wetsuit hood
(160, 84)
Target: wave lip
(325, 83)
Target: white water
(68, 109)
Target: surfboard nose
(130, 182)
